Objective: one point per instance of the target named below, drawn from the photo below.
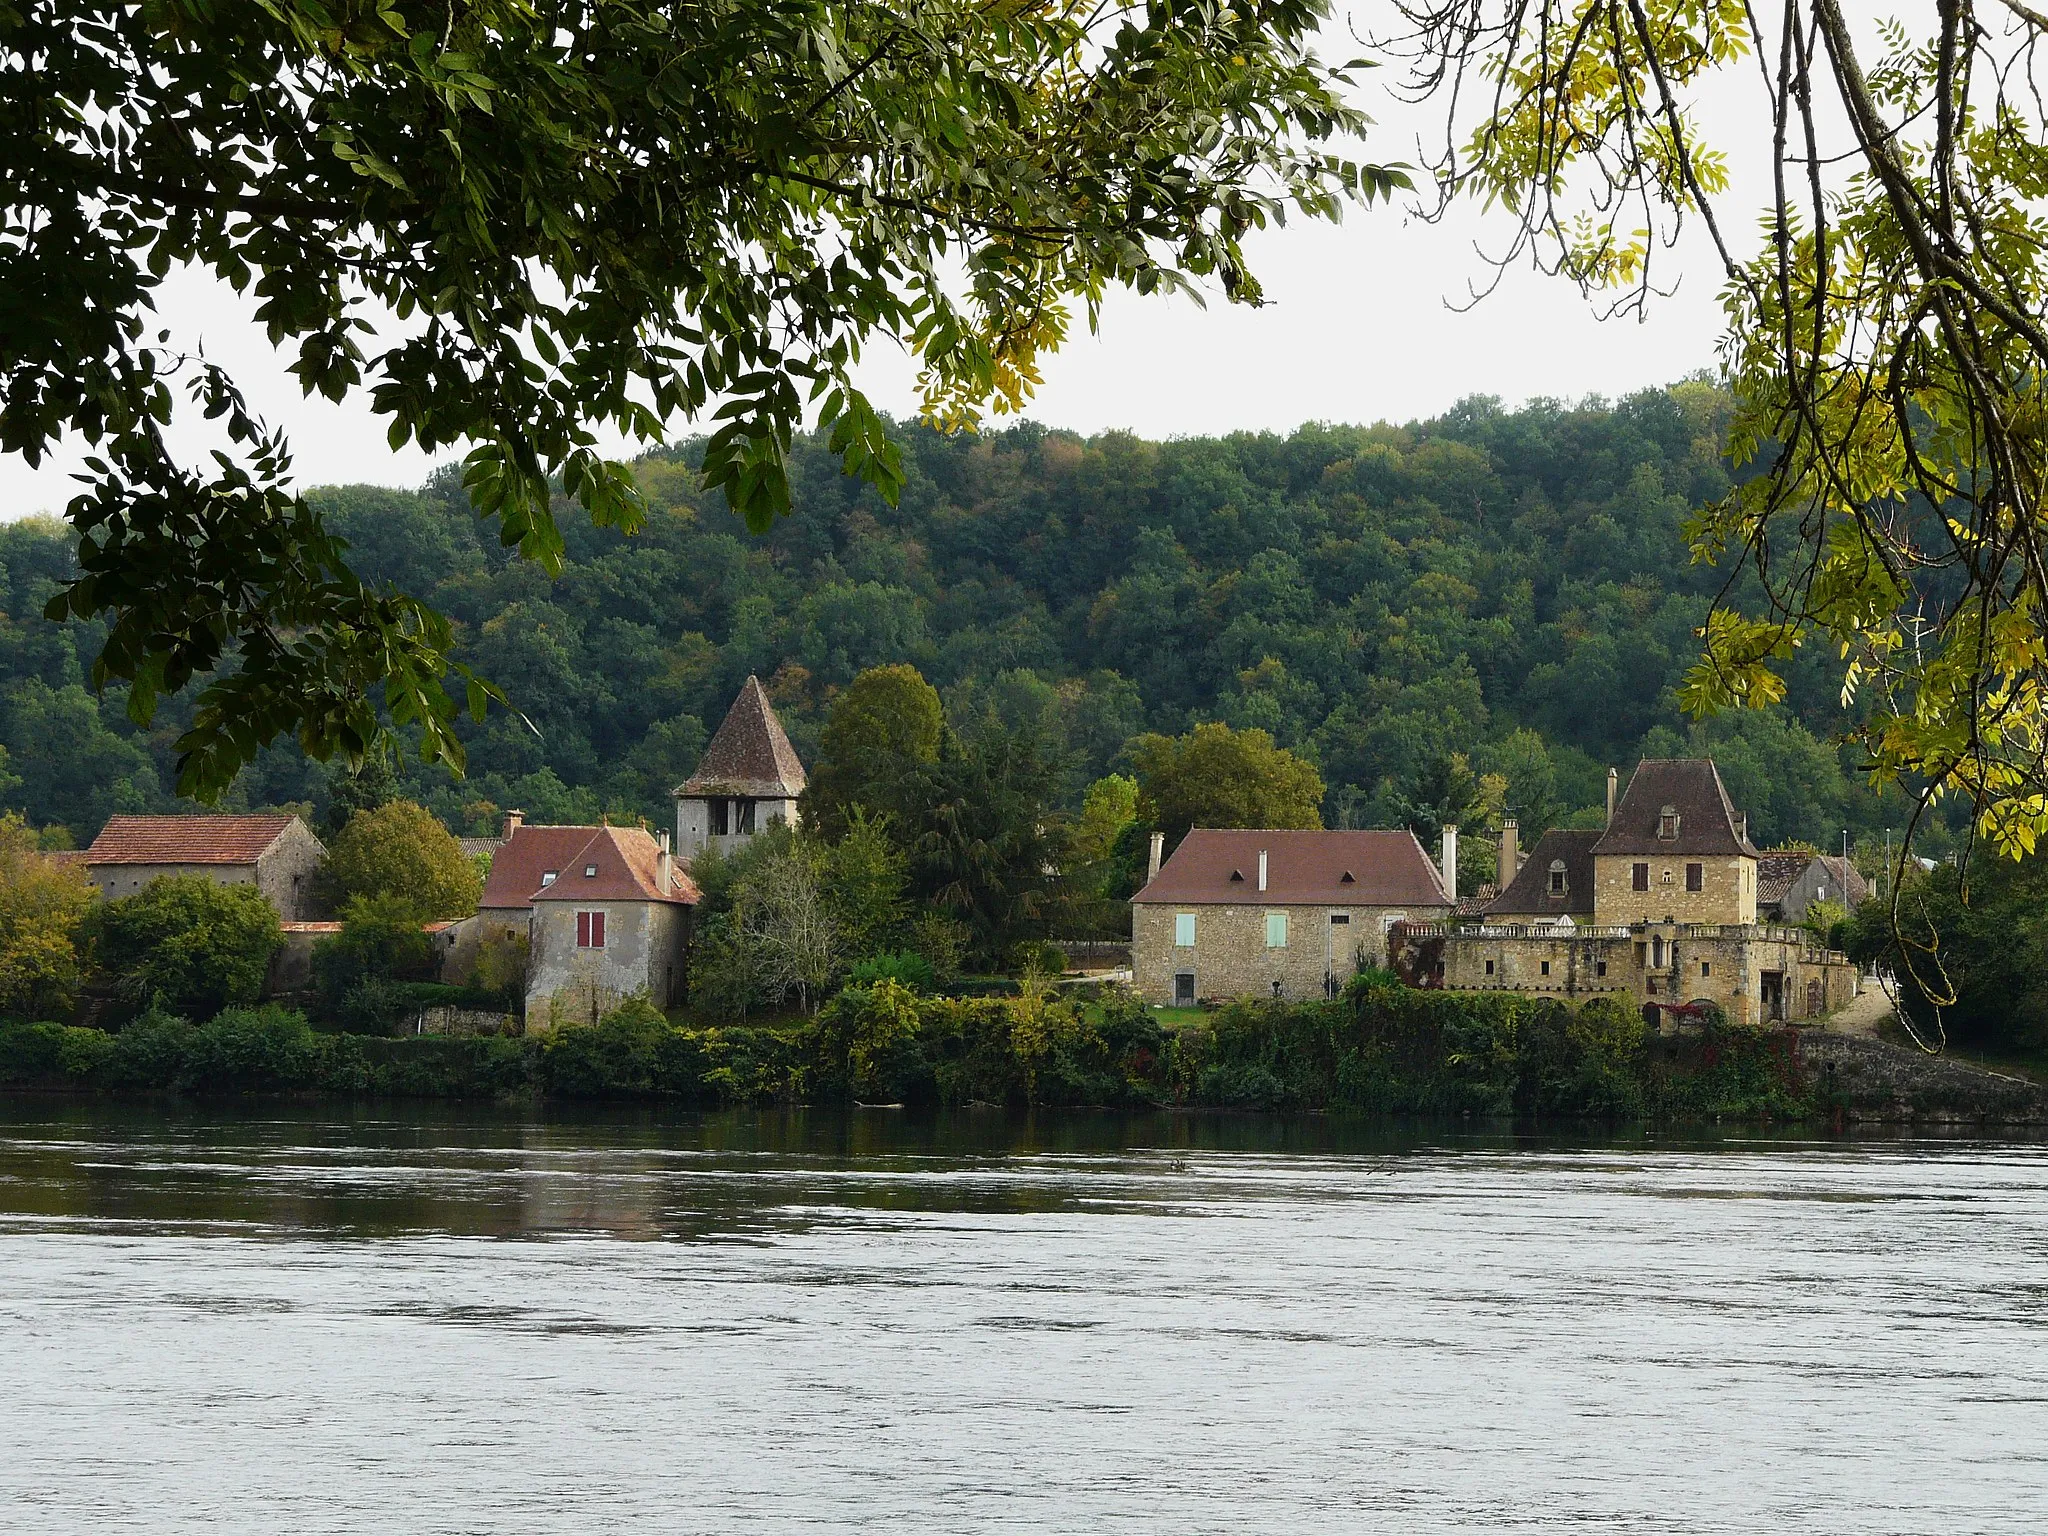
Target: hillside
(1494, 592)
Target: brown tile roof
(186, 839)
(518, 867)
(1528, 894)
(472, 846)
(1778, 869)
(1707, 823)
(619, 864)
(750, 755)
(1302, 867)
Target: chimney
(1510, 853)
(514, 820)
(1153, 859)
(664, 867)
(1742, 826)
(1613, 792)
(1262, 869)
(1451, 859)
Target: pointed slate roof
(619, 864)
(750, 755)
(1707, 823)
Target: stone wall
(1728, 893)
(646, 950)
(1230, 957)
(287, 872)
(1753, 974)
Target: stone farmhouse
(748, 780)
(1790, 880)
(1290, 914)
(1660, 907)
(615, 920)
(279, 855)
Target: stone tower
(748, 780)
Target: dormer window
(1349, 879)
(1557, 880)
(590, 871)
(1667, 824)
(548, 879)
(1237, 877)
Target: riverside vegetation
(1381, 1048)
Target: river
(432, 1320)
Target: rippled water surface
(421, 1321)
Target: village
(1668, 906)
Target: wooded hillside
(1483, 609)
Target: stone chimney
(1510, 853)
(514, 820)
(1155, 857)
(665, 866)
(1613, 793)
(1450, 862)
(1742, 826)
(1262, 869)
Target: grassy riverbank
(1382, 1048)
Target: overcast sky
(1358, 328)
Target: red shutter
(597, 930)
(583, 930)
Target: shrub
(906, 969)
(197, 945)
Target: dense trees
(185, 941)
(1506, 587)
(1217, 777)
(400, 853)
(596, 213)
(41, 903)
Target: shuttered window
(590, 930)
(1184, 930)
(1695, 877)
(1276, 930)
(1640, 877)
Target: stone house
(1659, 907)
(1789, 880)
(279, 855)
(614, 920)
(525, 860)
(748, 779)
(1277, 913)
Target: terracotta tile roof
(1302, 867)
(1707, 823)
(472, 846)
(519, 866)
(1528, 894)
(186, 839)
(619, 864)
(321, 927)
(750, 755)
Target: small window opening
(1348, 879)
(1667, 824)
(1600, 968)
(1237, 877)
(590, 871)
(1639, 877)
(1706, 968)
(1489, 967)
(1695, 877)
(1557, 881)
(548, 879)
(1546, 967)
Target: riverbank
(1382, 1049)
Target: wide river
(406, 1320)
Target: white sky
(1357, 329)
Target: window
(1340, 919)
(590, 930)
(721, 819)
(1706, 967)
(548, 879)
(1276, 930)
(1695, 877)
(1599, 967)
(746, 810)
(590, 871)
(1557, 882)
(1184, 930)
(1546, 967)
(1667, 824)
(1489, 967)
(1639, 877)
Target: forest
(1452, 619)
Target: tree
(783, 911)
(887, 721)
(1217, 777)
(1888, 333)
(596, 213)
(41, 904)
(193, 943)
(864, 875)
(401, 851)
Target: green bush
(196, 945)
(909, 970)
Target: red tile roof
(619, 864)
(750, 755)
(186, 839)
(528, 855)
(1302, 867)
